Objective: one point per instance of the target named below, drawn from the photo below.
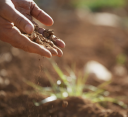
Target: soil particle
(47, 39)
(64, 104)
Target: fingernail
(29, 29)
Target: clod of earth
(64, 104)
(47, 39)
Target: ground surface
(84, 42)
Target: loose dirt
(77, 107)
(47, 39)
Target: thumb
(20, 21)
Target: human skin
(16, 17)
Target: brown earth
(77, 108)
(84, 42)
(47, 39)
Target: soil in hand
(47, 39)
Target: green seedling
(73, 85)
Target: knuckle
(18, 20)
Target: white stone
(106, 19)
(93, 67)
(102, 19)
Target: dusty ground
(84, 42)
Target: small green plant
(95, 5)
(72, 85)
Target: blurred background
(93, 30)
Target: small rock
(64, 104)
(106, 19)
(93, 67)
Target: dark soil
(77, 107)
(84, 42)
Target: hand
(16, 16)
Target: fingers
(12, 35)
(26, 44)
(41, 15)
(11, 14)
(58, 42)
(59, 51)
(53, 51)
(16, 39)
(22, 42)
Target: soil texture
(84, 42)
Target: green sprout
(71, 85)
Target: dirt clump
(64, 104)
(47, 39)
